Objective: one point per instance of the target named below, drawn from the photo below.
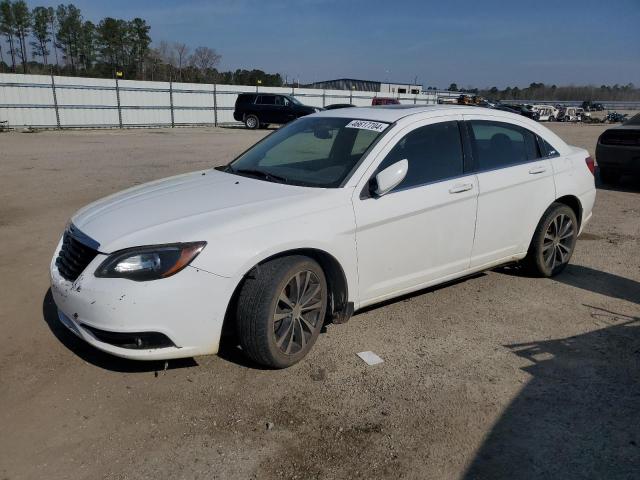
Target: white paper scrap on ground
(370, 358)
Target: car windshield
(294, 100)
(635, 120)
(312, 151)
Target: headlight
(149, 263)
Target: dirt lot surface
(497, 376)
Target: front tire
(281, 309)
(251, 122)
(553, 241)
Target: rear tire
(553, 241)
(609, 177)
(281, 309)
(251, 122)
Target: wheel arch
(570, 201)
(574, 203)
(339, 309)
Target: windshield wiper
(259, 173)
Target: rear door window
(266, 100)
(499, 144)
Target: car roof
(393, 113)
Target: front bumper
(187, 308)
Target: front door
(423, 229)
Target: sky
(481, 43)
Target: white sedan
(331, 213)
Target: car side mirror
(391, 177)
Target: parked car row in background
(259, 110)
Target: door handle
(536, 170)
(462, 187)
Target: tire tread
(254, 306)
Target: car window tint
(266, 100)
(279, 100)
(363, 139)
(311, 151)
(499, 144)
(304, 146)
(242, 99)
(434, 153)
(546, 149)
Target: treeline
(59, 40)
(540, 91)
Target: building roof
(365, 81)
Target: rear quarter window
(244, 99)
(546, 149)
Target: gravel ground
(497, 376)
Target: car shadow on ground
(589, 279)
(409, 296)
(97, 357)
(578, 416)
(597, 281)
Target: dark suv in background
(261, 109)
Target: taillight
(591, 165)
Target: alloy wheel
(558, 241)
(297, 312)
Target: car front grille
(75, 254)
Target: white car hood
(189, 207)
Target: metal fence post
(55, 100)
(351, 96)
(118, 101)
(171, 102)
(215, 106)
(324, 92)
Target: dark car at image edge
(618, 151)
(259, 110)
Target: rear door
(267, 108)
(516, 185)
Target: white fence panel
(95, 102)
(46, 101)
(89, 117)
(149, 116)
(32, 116)
(103, 97)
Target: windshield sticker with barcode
(367, 125)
